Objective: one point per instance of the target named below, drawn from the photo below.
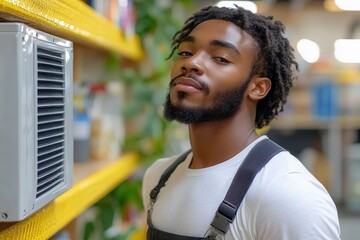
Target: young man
(233, 73)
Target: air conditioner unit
(36, 134)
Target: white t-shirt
(284, 201)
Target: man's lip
(188, 81)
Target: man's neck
(217, 141)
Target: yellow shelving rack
(53, 217)
(73, 20)
(77, 22)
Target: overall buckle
(221, 222)
(214, 234)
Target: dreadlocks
(275, 56)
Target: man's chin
(180, 114)
(190, 115)
(176, 114)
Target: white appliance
(36, 133)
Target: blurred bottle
(81, 124)
(114, 112)
(107, 131)
(325, 105)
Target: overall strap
(152, 232)
(156, 234)
(165, 176)
(257, 158)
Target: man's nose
(193, 65)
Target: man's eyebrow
(220, 43)
(225, 44)
(188, 39)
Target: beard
(226, 104)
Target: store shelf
(73, 20)
(309, 122)
(86, 191)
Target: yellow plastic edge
(73, 20)
(49, 220)
(139, 234)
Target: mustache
(193, 77)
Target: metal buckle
(214, 234)
(221, 223)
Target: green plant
(108, 209)
(157, 21)
(146, 83)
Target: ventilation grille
(50, 119)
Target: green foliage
(113, 205)
(146, 84)
(157, 22)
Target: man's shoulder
(153, 174)
(159, 166)
(291, 196)
(284, 176)
(286, 183)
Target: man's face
(210, 76)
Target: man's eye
(221, 60)
(184, 53)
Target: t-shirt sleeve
(296, 207)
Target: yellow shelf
(73, 20)
(49, 220)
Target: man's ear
(259, 88)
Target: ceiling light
(347, 50)
(348, 5)
(251, 6)
(309, 50)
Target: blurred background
(121, 79)
(320, 124)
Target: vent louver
(50, 119)
(36, 116)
